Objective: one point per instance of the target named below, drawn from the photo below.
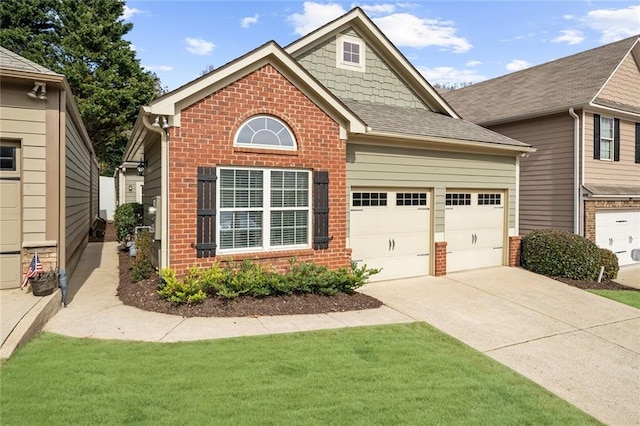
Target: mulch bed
(143, 295)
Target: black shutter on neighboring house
(637, 142)
(616, 139)
(321, 210)
(206, 244)
(596, 136)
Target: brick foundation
(515, 247)
(205, 138)
(441, 259)
(47, 253)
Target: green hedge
(560, 254)
(126, 218)
(609, 260)
(254, 279)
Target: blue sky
(449, 42)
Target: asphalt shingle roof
(571, 81)
(419, 122)
(12, 61)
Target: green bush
(126, 218)
(609, 260)
(560, 254)
(142, 266)
(256, 280)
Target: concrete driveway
(582, 347)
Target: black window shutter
(637, 142)
(616, 139)
(206, 244)
(596, 136)
(321, 210)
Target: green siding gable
(379, 83)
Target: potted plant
(44, 283)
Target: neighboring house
(128, 183)
(582, 113)
(49, 181)
(331, 149)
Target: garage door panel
(10, 207)
(476, 258)
(398, 267)
(619, 231)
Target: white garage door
(9, 215)
(389, 229)
(619, 231)
(474, 229)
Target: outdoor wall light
(130, 188)
(39, 91)
(156, 122)
(142, 165)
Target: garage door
(474, 229)
(390, 229)
(619, 231)
(9, 216)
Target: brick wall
(47, 253)
(441, 258)
(205, 138)
(515, 247)
(590, 207)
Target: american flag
(35, 268)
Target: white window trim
(278, 147)
(266, 212)
(610, 140)
(340, 63)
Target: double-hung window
(264, 209)
(606, 138)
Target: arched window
(266, 132)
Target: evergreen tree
(83, 39)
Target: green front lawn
(628, 297)
(398, 374)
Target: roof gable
(14, 62)
(555, 86)
(271, 53)
(356, 20)
(622, 90)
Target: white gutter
(164, 188)
(583, 166)
(576, 171)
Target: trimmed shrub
(142, 266)
(256, 280)
(609, 260)
(126, 218)
(560, 254)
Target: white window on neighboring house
(606, 138)
(264, 209)
(350, 53)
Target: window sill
(264, 255)
(290, 153)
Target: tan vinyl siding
(383, 166)
(604, 172)
(24, 119)
(623, 87)
(78, 200)
(546, 176)
(152, 189)
(379, 83)
(95, 191)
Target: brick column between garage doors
(515, 247)
(441, 259)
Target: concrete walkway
(582, 347)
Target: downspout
(576, 171)
(164, 189)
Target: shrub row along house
(331, 149)
(582, 113)
(49, 177)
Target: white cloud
(450, 76)
(314, 15)
(198, 46)
(614, 24)
(162, 68)
(132, 47)
(570, 37)
(568, 17)
(472, 63)
(405, 29)
(249, 20)
(378, 9)
(517, 65)
(129, 12)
